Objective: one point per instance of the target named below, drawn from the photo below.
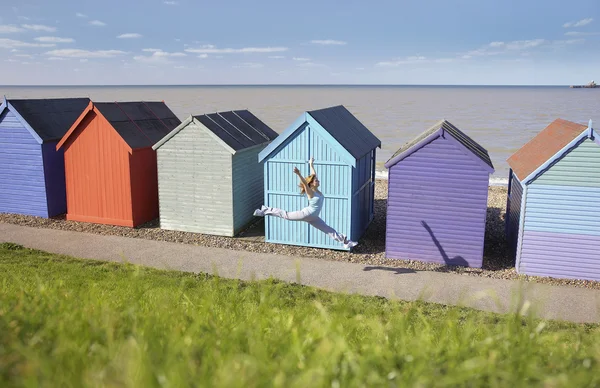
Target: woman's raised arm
(309, 191)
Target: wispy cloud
(498, 48)
(38, 27)
(10, 29)
(581, 33)
(202, 56)
(299, 59)
(210, 49)
(97, 23)
(56, 59)
(328, 42)
(24, 55)
(580, 23)
(403, 61)
(249, 65)
(171, 2)
(415, 59)
(158, 56)
(311, 64)
(78, 53)
(80, 15)
(54, 39)
(130, 35)
(276, 57)
(11, 44)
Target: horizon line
(283, 84)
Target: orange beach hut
(110, 166)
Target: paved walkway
(550, 302)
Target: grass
(68, 322)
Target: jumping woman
(310, 214)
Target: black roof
(50, 118)
(140, 124)
(347, 130)
(239, 129)
(456, 133)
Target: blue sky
(523, 42)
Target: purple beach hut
(32, 171)
(437, 198)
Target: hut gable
(444, 129)
(235, 130)
(139, 124)
(545, 145)
(344, 134)
(50, 119)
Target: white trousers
(306, 216)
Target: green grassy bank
(69, 322)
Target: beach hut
(110, 166)
(32, 172)
(437, 198)
(209, 178)
(344, 152)
(552, 219)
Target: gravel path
(371, 248)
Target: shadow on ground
(396, 270)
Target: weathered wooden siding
(562, 226)
(282, 190)
(97, 173)
(54, 172)
(437, 204)
(194, 184)
(363, 197)
(144, 185)
(22, 183)
(248, 186)
(513, 213)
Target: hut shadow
(496, 252)
(373, 240)
(397, 271)
(456, 260)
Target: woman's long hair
(309, 179)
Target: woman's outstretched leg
(273, 211)
(318, 223)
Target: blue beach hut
(344, 152)
(32, 171)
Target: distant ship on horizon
(590, 85)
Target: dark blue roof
(50, 118)
(239, 129)
(347, 130)
(140, 124)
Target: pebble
(497, 262)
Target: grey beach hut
(209, 178)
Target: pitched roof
(50, 118)
(543, 146)
(239, 129)
(443, 126)
(347, 130)
(140, 124)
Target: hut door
(283, 191)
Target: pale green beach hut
(209, 177)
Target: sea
(500, 118)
